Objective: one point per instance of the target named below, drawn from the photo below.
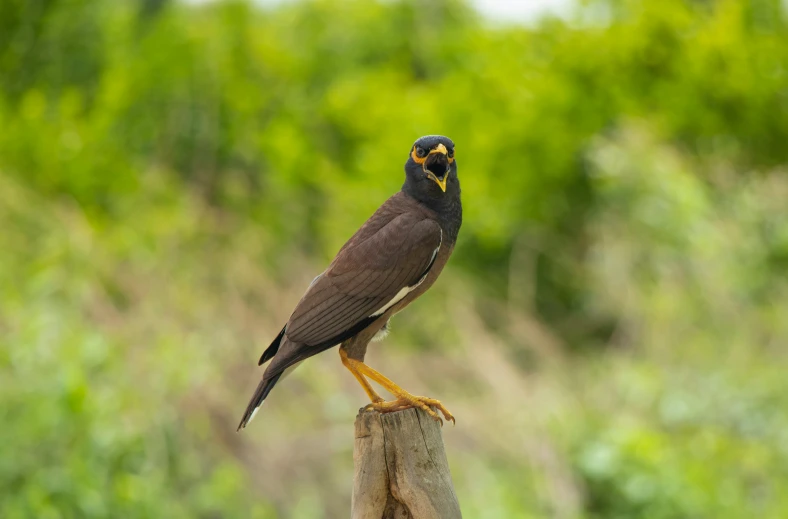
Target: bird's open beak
(436, 166)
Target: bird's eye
(451, 153)
(421, 153)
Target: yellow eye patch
(420, 160)
(416, 157)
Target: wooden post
(400, 468)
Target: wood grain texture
(400, 468)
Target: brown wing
(365, 276)
(394, 250)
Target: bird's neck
(450, 217)
(447, 208)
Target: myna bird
(393, 259)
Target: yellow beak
(440, 148)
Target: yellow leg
(404, 399)
(348, 363)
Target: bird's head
(431, 169)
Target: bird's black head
(431, 171)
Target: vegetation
(611, 331)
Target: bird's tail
(263, 388)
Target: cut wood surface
(400, 468)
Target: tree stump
(400, 468)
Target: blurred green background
(611, 332)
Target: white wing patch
(407, 290)
(397, 298)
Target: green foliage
(172, 174)
(313, 101)
(700, 291)
(82, 436)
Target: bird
(389, 262)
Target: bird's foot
(406, 401)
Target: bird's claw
(406, 401)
